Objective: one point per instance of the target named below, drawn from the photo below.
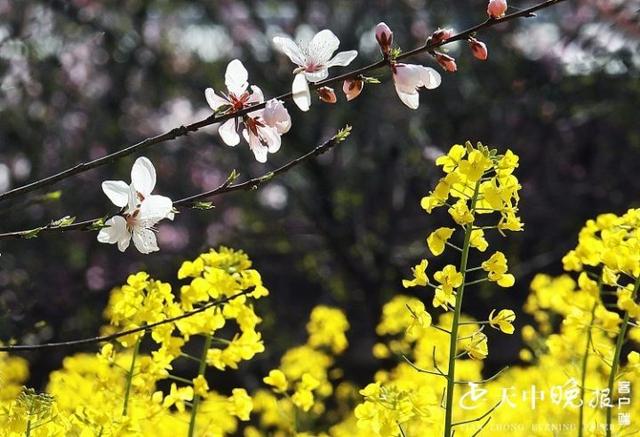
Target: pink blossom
(447, 62)
(384, 36)
(479, 49)
(352, 88)
(327, 94)
(497, 8)
(440, 35)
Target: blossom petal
(236, 77)
(289, 48)
(117, 192)
(408, 77)
(275, 114)
(322, 46)
(143, 176)
(124, 243)
(228, 133)
(316, 76)
(116, 232)
(300, 91)
(256, 95)
(430, 78)
(259, 150)
(153, 209)
(270, 136)
(145, 240)
(342, 58)
(214, 100)
(412, 100)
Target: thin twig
(435, 363)
(212, 119)
(421, 370)
(402, 434)
(110, 337)
(187, 202)
(441, 329)
(479, 417)
(483, 381)
(486, 422)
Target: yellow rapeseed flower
(437, 240)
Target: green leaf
(32, 233)
(369, 79)
(233, 176)
(267, 177)
(342, 134)
(62, 222)
(203, 205)
(395, 52)
(97, 225)
(52, 196)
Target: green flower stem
(27, 432)
(477, 281)
(190, 357)
(196, 398)
(583, 378)
(179, 379)
(451, 377)
(453, 246)
(127, 392)
(616, 355)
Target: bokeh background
(82, 78)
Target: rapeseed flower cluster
(577, 373)
(117, 392)
(418, 396)
(301, 386)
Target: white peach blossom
(237, 98)
(409, 78)
(313, 61)
(263, 127)
(141, 209)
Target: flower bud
(440, 35)
(327, 94)
(446, 62)
(497, 8)
(352, 88)
(479, 49)
(384, 36)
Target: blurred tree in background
(82, 78)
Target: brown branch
(188, 202)
(184, 130)
(110, 337)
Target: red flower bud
(446, 62)
(497, 8)
(440, 35)
(352, 88)
(384, 36)
(479, 49)
(327, 94)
